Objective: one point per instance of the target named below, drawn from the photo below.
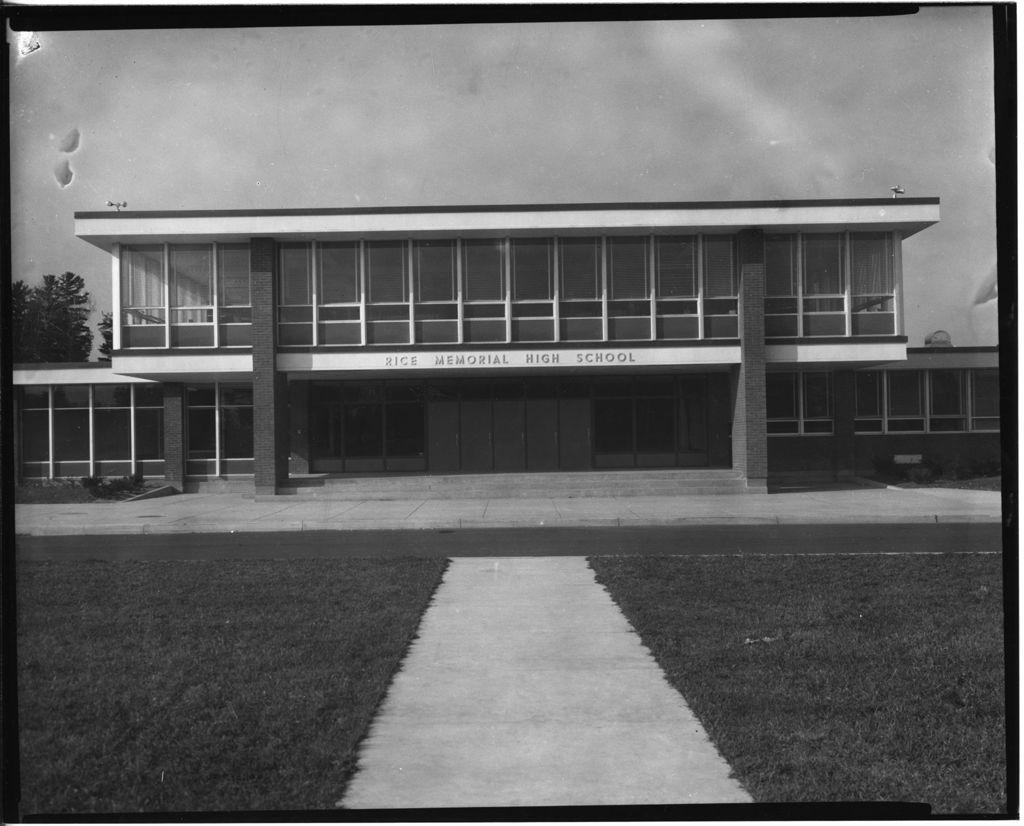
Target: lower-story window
(927, 401)
(219, 431)
(799, 403)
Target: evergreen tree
(106, 328)
(51, 320)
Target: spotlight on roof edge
(896, 190)
(117, 204)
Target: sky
(511, 113)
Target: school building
(744, 339)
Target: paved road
(703, 539)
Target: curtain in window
(296, 275)
(627, 268)
(871, 264)
(483, 270)
(191, 276)
(142, 279)
(233, 275)
(386, 272)
(435, 270)
(780, 265)
(676, 261)
(580, 268)
(531, 270)
(719, 268)
(823, 274)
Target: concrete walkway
(528, 687)
(227, 512)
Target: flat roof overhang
(905, 215)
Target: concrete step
(519, 485)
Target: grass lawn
(216, 685)
(860, 678)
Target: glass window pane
(149, 395)
(986, 392)
(111, 395)
(613, 425)
(946, 392)
(579, 268)
(142, 277)
(817, 396)
(869, 394)
(780, 389)
(405, 430)
(823, 257)
(233, 275)
(339, 273)
(435, 270)
(35, 398)
(904, 393)
(112, 433)
(531, 269)
(719, 267)
(655, 425)
(676, 261)
(780, 265)
(70, 435)
(202, 436)
(483, 267)
(191, 275)
(363, 434)
(296, 274)
(149, 433)
(201, 396)
(71, 395)
(236, 395)
(871, 263)
(35, 436)
(236, 432)
(627, 268)
(386, 272)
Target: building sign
(520, 360)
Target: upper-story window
(436, 291)
(830, 284)
(629, 292)
(580, 289)
(676, 286)
(532, 289)
(387, 278)
(483, 290)
(143, 297)
(191, 268)
(185, 295)
(338, 293)
(721, 287)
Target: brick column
(175, 452)
(749, 430)
(844, 455)
(269, 388)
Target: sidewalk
(237, 512)
(526, 686)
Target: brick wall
(270, 403)
(175, 449)
(749, 439)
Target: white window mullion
(508, 290)
(700, 286)
(459, 299)
(604, 287)
(847, 275)
(131, 425)
(216, 297)
(115, 295)
(49, 429)
(799, 285)
(216, 429)
(650, 283)
(411, 290)
(167, 295)
(92, 434)
(556, 291)
(314, 264)
(361, 269)
(897, 283)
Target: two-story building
(755, 337)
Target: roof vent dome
(940, 338)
